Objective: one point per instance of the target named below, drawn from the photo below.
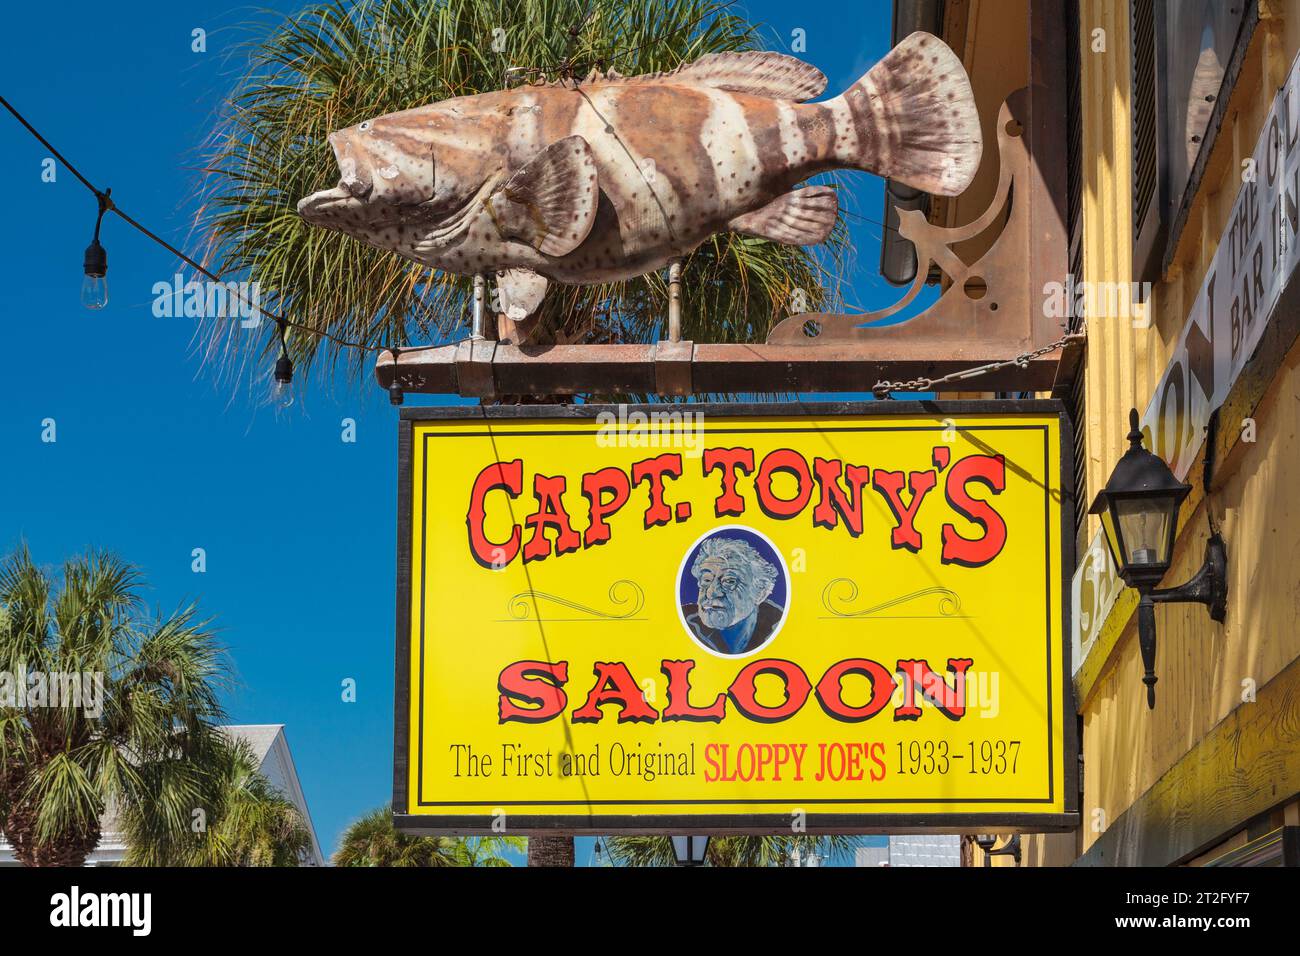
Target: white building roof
(271, 747)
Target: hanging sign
(733, 618)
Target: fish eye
(364, 126)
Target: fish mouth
(356, 184)
(355, 172)
(447, 220)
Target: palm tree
(147, 714)
(373, 841)
(726, 851)
(337, 63)
(241, 820)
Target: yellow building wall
(1200, 665)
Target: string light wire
(107, 204)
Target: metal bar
(737, 824)
(729, 368)
(675, 300)
(480, 301)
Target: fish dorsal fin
(757, 72)
(550, 203)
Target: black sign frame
(730, 823)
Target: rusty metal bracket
(990, 299)
(729, 368)
(673, 367)
(474, 375)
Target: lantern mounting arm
(987, 842)
(1208, 586)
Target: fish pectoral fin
(521, 292)
(801, 217)
(551, 202)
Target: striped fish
(616, 176)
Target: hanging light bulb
(283, 381)
(283, 373)
(94, 286)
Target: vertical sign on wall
(1257, 253)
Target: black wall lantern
(1139, 512)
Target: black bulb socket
(283, 370)
(95, 262)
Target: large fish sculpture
(617, 176)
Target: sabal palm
(726, 851)
(240, 819)
(336, 64)
(373, 841)
(62, 766)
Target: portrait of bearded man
(733, 613)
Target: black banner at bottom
(334, 905)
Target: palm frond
(374, 841)
(225, 814)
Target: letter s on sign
(989, 471)
(536, 683)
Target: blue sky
(154, 457)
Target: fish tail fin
(912, 119)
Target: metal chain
(882, 389)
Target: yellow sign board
(734, 618)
